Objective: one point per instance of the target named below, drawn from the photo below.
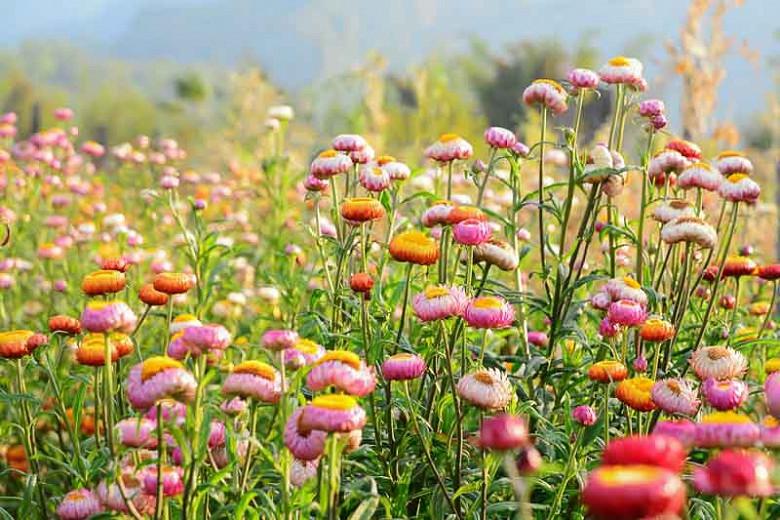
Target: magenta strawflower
(608, 329)
(235, 406)
(772, 394)
(333, 413)
(489, 312)
(733, 473)
(172, 480)
(79, 504)
(254, 380)
(173, 412)
(312, 183)
(503, 432)
(439, 302)
(627, 313)
(727, 394)
(102, 316)
(583, 79)
(156, 379)
(651, 108)
(726, 429)
(111, 496)
(501, 138)
(471, 232)
(304, 444)
(538, 338)
(584, 414)
(276, 339)
(137, 433)
(373, 178)
(402, 367)
(343, 370)
(684, 430)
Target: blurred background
(400, 72)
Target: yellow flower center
(184, 317)
(403, 356)
(726, 418)
(157, 364)
(98, 305)
(328, 153)
(487, 302)
(770, 422)
(15, 336)
(344, 356)
(772, 365)
(702, 165)
(435, 291)
(631, 282)
(619, 61)
(257, 368)
(416, 238)
(334, 402)
(306, 346)
(627, 475)
(736, 177)
(729, 153)
(554, 84)
(446, 138)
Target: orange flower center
(554, 84)
(674, 386)
(184, 317)
(257, 368)
(484, 377)
(716, 353)
(384, 159)
(15, 336)
(446, 138)
(328, 153)
(403, 356)
(729, 153)
(157, 364)
(344, 356)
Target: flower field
(563, 328)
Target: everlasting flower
(683, 430)
(359, 210)
(106, 316)
(174, 283)
(182, 322)
(279, 339)
(730, 162)
(738, 187)
(487, 388)
(700, 175)
(364, 156)
(172, 480)
(650, 450)
(548, 93)
(397, 171)
(361, 283)
(137, 433)
(304, 444)
(770, 432)
(349, 143)
(14, 344)
(622, 70)
(584, 414)
(92, 349)
(111, 495)
(651, 108)
(726, 429)
(489, 312)
(403, 367)
(736, 266)
(724, 395)
(607, 371)
(689, 150)
(330, 163)
(414, 247)
(79, 504)
(664, 164)
(156, 379)
(538, 338)
(439, 302)
(305, 352)
(769, 272)
(718, 363)
(151, 296)
(437, 214)
(66, 324)
(254, 380)
(732, 473)
(503, 432)
(449, 147)
(343, 370)
(333, 413)
(103, 282)
(689, 229)
(501, 138)
(471, 232)
(675, 396)
(672, 209)
(583, 79)
(656, 330)
(633, 492)
(374, 178)
(635, 393)
(627, 313)
(625, 288)
(772, 394)
(303, 471)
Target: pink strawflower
(675, 396)
(449, 147)
(727, 394)
(439, 302)
(304, 353)
(329, 163)
(137, 433)
(665, 163)
(373, 178)
(438, 214)
(700, 175)
(172, 480)
(583, 79)
(235, 406)
(312, 183)
(63, 114)
(584, 414)
(503, 432)
(547, 93)
(683, 430)
(651, 108)
(79, 504)
(489, 312)
(333, 413)
(608, 329)
(521, 149)
(403, 367)
(538, 338)
(114, 316)
(349, 143)
(497, 137)
(627, 313)
(364, 156)
(111, 496)
(471, 232)
(156, 379)
(277, 339)
(486, 388)
(622, 70)
(173, 412)
(738, 187)
(304, 444)
(254, 380)
(302, 471)
(731, 162)
(772, 394)
(343, 370)
(726, 429)
(733, 473)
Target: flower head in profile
(396, 170)
(330, 163)
(607, 371)
(403, 366)
(343, 370)
(349, 143)
(501, 138)
(700, 175)
(156, 379)
(622, 70)
(665, 165)
(684, 430)
(439, 302)
(672, 209)
(373, 178)
(305, 444)
(305, 352)
(471, 232)
(689, 229)
(735, 472)
(650, 450)
(772, 394)
(174, 283)
(106, 316)
(79, 504)
(254, 380)
(725, 430)
(548, 94)
(627, 313)
(449, 147)
(730, 162)
(103, 282)
(486, 388)
(333, 413)
(489, 312)
(361, 209)
(656, 329)
(279, 339)
(414, 247)
(636, 393)
(584, 79)
(738, 187)
(437, 214)
(503, 432)
(497, 252)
